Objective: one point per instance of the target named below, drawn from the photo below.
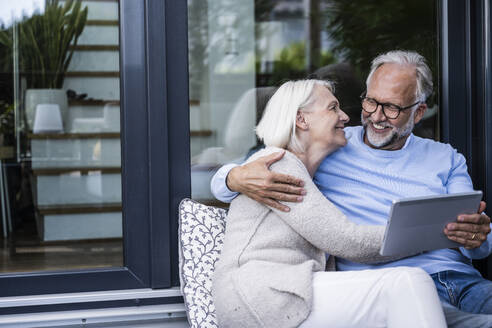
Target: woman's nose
(343, 117)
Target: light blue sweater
(363, 182)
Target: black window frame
(466, 91)
(154, 113)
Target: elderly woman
(271, 270)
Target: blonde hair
(277, 126)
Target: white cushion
(201, 237)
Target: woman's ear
(301, 121)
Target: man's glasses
(391, 111)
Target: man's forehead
(396, 71)
(394, 77)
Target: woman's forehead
(323, 94)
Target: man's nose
(378, 115)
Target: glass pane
(239, 51)
(60, 174)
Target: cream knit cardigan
(264, 275)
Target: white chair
(201, 237)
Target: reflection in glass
(239, 51)
(60, 155)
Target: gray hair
(277, 126)
(400, 57)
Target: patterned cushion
(201, 237)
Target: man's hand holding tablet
(433, 222)
(470, 230)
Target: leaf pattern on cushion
(201, 237)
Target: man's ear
(419, 113)
(301, 121)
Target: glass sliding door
(239, 52)
(88, 194)
(60, 136)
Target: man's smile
(379, 128)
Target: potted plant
(46, 44)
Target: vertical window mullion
(158, 144)
(135, 176)
(178, 118)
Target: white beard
(380, 141)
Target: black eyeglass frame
(383, 106)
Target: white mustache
(385, 124)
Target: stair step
(83, 170)
(65, 186)
(80, 226)
(102, 22)
(94, 63)
(92, 74)
(101, 102)
(96, 47)
(92, 102)
(97, 135)
(201, 133)
(100, 9)
(76, 150)
(99, 35)
(101, 135)
(94, 86)
(79, 208)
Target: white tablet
(417, 224)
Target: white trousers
(395, 297)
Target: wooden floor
(82, 255)
(23, 252)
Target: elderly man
(384, 161)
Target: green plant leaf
(45, 42)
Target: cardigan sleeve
(324, 225)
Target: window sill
(173, 313)
(167, 315)
(114, 295)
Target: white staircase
(76, 175)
